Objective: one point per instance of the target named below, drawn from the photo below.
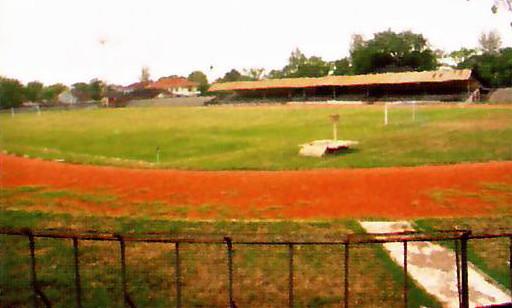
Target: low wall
(171, 102)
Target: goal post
(389, 105)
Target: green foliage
(34, 91)
(342, 67)
(493, 69)
(93, 90)
(463, 54)
(201, 79)
(50, 93)
(234, 75)
(301, 66)
(390, 51)
(11, 93)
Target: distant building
(134, 86)
(176, 86)
(67, 97)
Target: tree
(342, 67)
(144, 74)
(461, 55)
(301, 66)
(490, 42)
(493, 69)
(254, 73)
(390, 51)
(234, 75)
(201, 79)
(50, 93)
(34, 91)
(96, 89)
(313, 67)
(81, 91)
(11, 93)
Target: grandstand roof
(343, 81)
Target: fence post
(464, 269)
(78, 287)
(35, 286)
(178, 274)
(127, 300)
(346, 294)
(510, 261)
(230, 271)
(290, 276)
(457, 268)
(405, 276)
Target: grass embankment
(263, 138)
(260, 275)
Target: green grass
(260, 273)
(216, 138)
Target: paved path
(433, 268)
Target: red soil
(356, 193)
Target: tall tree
(490, 42)
(201, 79)
(96, 89)
(390, 51)
(34, 91)
(145, 74)
(11, 93)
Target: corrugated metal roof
(356, 80)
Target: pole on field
(385, 113)
(12, 112)
(38, 110)
(414, 111)
(335, 118)
(158, 154)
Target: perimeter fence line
(460, 239)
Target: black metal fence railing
(460, 240)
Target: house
(134, 86)
(176, 86)
(67, 97)
(442, 85)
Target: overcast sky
(61, 40)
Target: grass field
(262, 138)
(236, 138)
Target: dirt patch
(314, 194)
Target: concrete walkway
(433, 267)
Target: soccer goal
(411, 105)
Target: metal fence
(459, 238)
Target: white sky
(59, 40)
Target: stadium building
(445, 85)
